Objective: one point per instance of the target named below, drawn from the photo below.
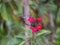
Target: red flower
(34, 29)
(39, 19)
(31, 19)
(39, 27)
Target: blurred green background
(12, 30)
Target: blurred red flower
(34, 29)
(39, 19)
(39, 27)
(31, 19)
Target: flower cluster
(38, 26)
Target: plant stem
(27, 15)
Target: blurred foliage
(11, 27)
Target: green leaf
(1, 28)
(4, 40)
(4, 13)
(30, 33)
(0, 7)
(22, 43)
(21, 36)
(20, 10)
(33, 43)
(43, 33)
(13, 41)
(40, 42)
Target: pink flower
(34, 29)
(39, 27)
(39, 19)
(31, 19)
